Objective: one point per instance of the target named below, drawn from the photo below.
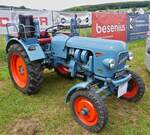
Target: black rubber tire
(141, 87)
(34, 70)
(99, 106)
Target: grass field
(48, 110)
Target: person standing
(74, 25)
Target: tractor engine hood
(95, 44)
(102, 49)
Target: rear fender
(79, 86)
(33, 50)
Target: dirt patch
(1, 83)
(25, 127)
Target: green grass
(2, 50)
(85, 32)
(48, 105)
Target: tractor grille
(122, 59)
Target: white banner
(46, 18)
(63, 18)
(5, 17)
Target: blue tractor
(101, 64)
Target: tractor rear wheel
(26, 75)
(88, 110)
(136, 88)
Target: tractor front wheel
(88, 110)
(136, 88)
(26, 75)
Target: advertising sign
(63, 18)
(109, 25)
(44, 17)
(138, 26)
(4, 19)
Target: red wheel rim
(131, 91)
(18, 70)
(85, 111)
(62, 69)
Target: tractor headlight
(130, 56)
(110, 63)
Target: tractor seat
(44, 38)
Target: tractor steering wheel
(55, 29)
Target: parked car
(147, 52)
